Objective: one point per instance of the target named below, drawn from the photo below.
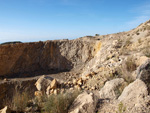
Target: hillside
(111, 72)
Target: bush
(60, 103)
(20, 101)
(125, 71)
(130, 64)
(97, 35)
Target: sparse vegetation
(125, 71)
(60, 103)
(130, 64)
(121, 108)
(20, 101)
(119, 89)
(125, 44)
(146, 52)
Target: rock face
(27, 59)
(84, 103)
(108, 91)
(143, 72)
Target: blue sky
(35, 20)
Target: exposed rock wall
(28, 59)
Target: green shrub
(60, 103)
(97, 34)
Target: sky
(41, 20)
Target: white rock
(84, 103)
(42, 83)
(6, 109)
(135, 97)
(108, 91)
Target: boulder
(6, 109)
(43, 82)
(84, 103)
(38, 93)
(143, 72)
(134, 91)
(141, 60)
(108, 91)
(53, 84)
(48, 90)
(135, 97)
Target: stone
(38, 93)
(141, 60)
(51, 91)
(143, 72)
(74, 81)
(108, 91)
(133, 91)
(6, 109)
(92, 88)
(48, 90)
(84, 103)
(77, 87)
(54, 84)
(79, 82)
(135, 97)
(42, 83)
(55, 92)
(5, 79)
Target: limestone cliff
(28, 59)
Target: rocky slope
(111, 70)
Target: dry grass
(125, 44)
(130, 64)
(146, 52)
(60, 103)
(20, 101)
(125, 71)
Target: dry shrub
(130, 64)
(146, 52)
(125, 45)
(126, 69)
(20, 101)
(60, 103)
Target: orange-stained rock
(54, 84)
